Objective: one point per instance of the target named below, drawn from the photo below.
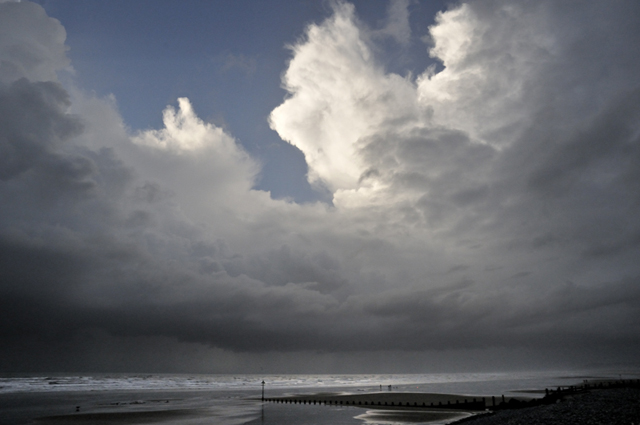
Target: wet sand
(121, 417)
(598, 406)
(219, 407)
(128, 407)
(610, 406)
(406, 416)
(391, 407)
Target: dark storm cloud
(34, 125)
(503, 216)
(457, 319)
(80, 249)
(575, 187)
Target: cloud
(513, 140)
(35, 125)
(240, 62)
(32, 43)
(338, 96)
(490, 207)
(398, 22)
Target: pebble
(620, 406)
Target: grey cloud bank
(483, 216)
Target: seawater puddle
(399, 417)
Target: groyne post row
(457, 405)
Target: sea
(236, 399)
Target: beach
(305, 400)
(607, 406)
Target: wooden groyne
(421, 401)
(383, 400)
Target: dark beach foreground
(619, 406)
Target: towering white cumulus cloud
(184, 131)
(486, 209)
(515, 79)
(198, 161)
(493, 158)
(339, 95)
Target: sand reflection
(399, 417)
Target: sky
(319, 187)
